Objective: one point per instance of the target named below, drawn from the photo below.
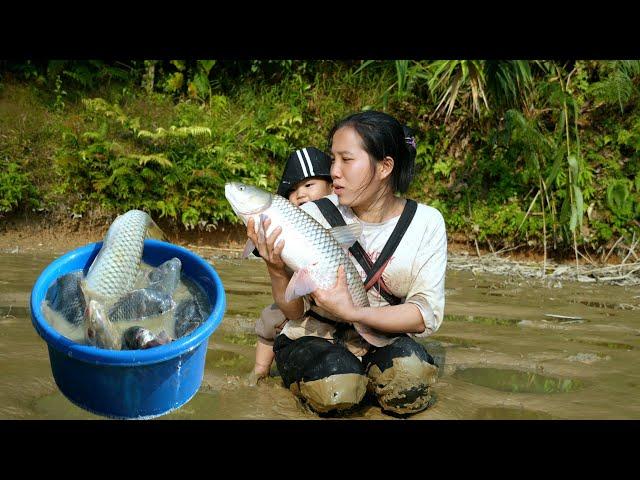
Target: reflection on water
(506, 413)
(516, 381)
(508, 349)
(228, 362)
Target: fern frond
(525, 132)
(103, 183)
(616, 88)
(618, 196)
(148, 134)
(194, 131)
(90, 135)
(102, 107)
(155, 158)
(83, 78)
(148, 174)
(175, 132)
(630, 67)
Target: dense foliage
(543, 154)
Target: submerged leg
(401, 375)
(326, 375)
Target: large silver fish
(310, 250)
(115, 268)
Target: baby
(306, 178)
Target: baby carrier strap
(373, 270)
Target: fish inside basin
(184, 294)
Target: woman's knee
(336, 381)
(326, 375)
(403, 346)
(401, 375)
(294, 357)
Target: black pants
(312, 358)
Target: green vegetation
(536, 153)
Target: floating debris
(624, 274)
(564, 317)
(587, 358)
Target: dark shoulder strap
(334, 217)
(330, 212)
(408, 212)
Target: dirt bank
(32, 232)
(26, 233)
(23, 234)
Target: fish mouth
(255, 211)
(246, 213)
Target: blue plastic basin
(130, 383)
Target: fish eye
(241, 188)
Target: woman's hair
(382, 136)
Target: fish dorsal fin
(347, 235)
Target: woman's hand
(337, 299)
(268, 249)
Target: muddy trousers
(331, 378)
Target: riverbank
(23, 235)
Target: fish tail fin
(300, 284)
(248, 249)
(154, 231)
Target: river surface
(508, 348)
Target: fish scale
(115, 268)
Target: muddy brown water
(508, 349)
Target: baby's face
(309, 190)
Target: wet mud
(509, 348)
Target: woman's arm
(293, 309)
(270, 253)
(405, 318)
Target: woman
(319, 354)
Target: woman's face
(354, 180)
